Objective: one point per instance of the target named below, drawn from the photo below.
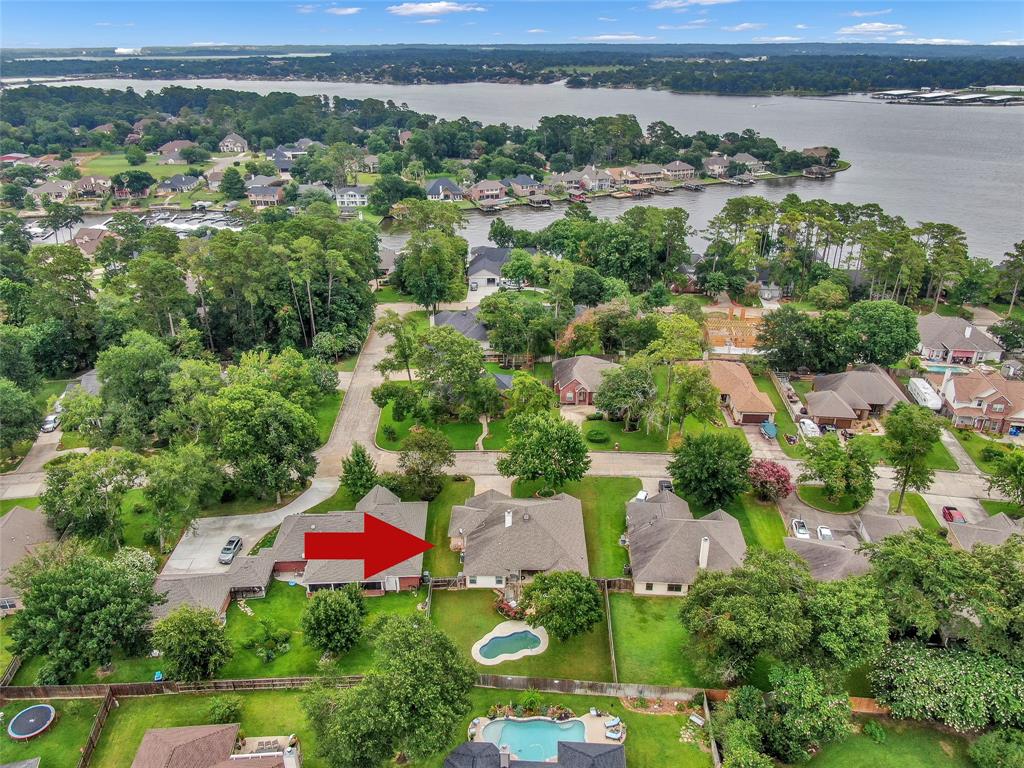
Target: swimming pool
(535, 739)
(940, 368)
(506, 645)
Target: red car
(953, 515)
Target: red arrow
(380, 545)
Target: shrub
(770, 480)
(1002, 748)
(390, 433)
(597, 436)
(875, 732)
(224, 709)
(596, 416)
(991, 452)
(530, 700)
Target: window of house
(472, 579)
(499, 580)
(997, 408)
(6, 604)
(675, 587)
(649, 587)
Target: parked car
(664, 485)
(825, 533)
(827, 428)
(809, 429)
(640, 496)
(953, 515)
(800, 529)
(232, 548)
(473, 285)
(50, 423)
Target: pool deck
(593, 725)
(502, 630)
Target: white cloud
(351, 11)
(865, 14)
(802, 26)
(777, 39)
(1007, 42)
(305, 8)
(433, 9)
(933, 41)
(112, 24)
(698, 24)
(536, 31)
(873, 28)
(626, 37)
(662, 5)
(606, 18)
(429, 21)
(746, 26)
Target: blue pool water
(534, 739)
(940, 368)
(508, 644)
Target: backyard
(914, 504)
(604, 518)
(469, 614)
(59, 745)
(906, 745)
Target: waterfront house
(677, 170)
(577, 379)
(91, 186)
(350, 198)
(233, 143)
(738, 392)
(596, 179)
(262, 180)
(57, 189)
(646, 173)
(818, 153)
(486, 190)
(523, 185)
(213, 180)
(956, 341)
(753, 164)
(716, 166)
(668, 548)
(444, 189)
(506, 541)
(177, 183)
(264, 196)
(88, 239)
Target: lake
(961, 165)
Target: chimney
(967, 330)
(505, 757)
(508, 518)
(702, 558)
(946, 376)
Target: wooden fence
(108, 703)
(587, 687)
(126, 690)
(12, 669)
(622, 584)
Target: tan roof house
(668, 547)
(214, 746)
(88, 239)
(486, 190)
(739, 393)
(577, 379)
(677, 170)
(506, 541)
(981, 400)
(22, 530)
(954, 340)
(993, 531)
(233, 143)
(867, 390)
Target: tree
(804, 716)
(135, 182)
(680, 340)
(770, 480)
(828, 295)
(433, 268)
(627, 392)
(179, 482)
(193, 643)
(404, 331)
(18, 351)
(851, 626)
(18, 414)
(911, 432)
(333, 619)
(1010, 333)
(358, 472)
(544, 447)
(13, 195)
(528, 396)
(83, 413)
(565, 603)
(1008, 476)
(62, 290)
(391, 189)
(449, 365)
(755, 609)
(694, 396)
(267, 440)
(232, 186)
(135, 378)
(1001, 748)
(843, 470)
(61, 216)
(83, 493)
(425, 452)
(886, 331)
(414, 695)
(135, 155)
(519, 267)
(112, 599)
(420, 215)
(1011, 270)
(711, 468)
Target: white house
(233, 143)
(350, 198)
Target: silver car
(232, 548)
(800, 529)
(50, 423)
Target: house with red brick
(577, 379)
(987, 402)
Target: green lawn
(326, 414)
(5, 642)
(347, 365)
(541, 371)
(907, 745)
(783, 420)
(69, 440)
(469, 614)
(651, 645)
(6, 505)
(498, 433)
(914, 504)
(264, 713)
(441, 560)
(939, 457)
(802, 386)
(761, 524)
(388, 294)
(1008, 508)
(604, 518)
(108, 165)
(974, 444)
(815, 496)
(59, 745)
(463, 436)
(49, 388)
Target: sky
(51, 23)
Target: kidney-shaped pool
(536, 739)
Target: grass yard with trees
(815, 496)
(59, 746)
(441, 561)
(915, 505)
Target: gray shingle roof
(585, 369)
(867, 386)
(993, 531)
(664, 540)
(877, 527)
(571, 754)
(828, 405)
(464, 321)
(952, 333)
(437, 186)
(486, 258)
(545, 534)
(828, 561)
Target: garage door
(754, 418)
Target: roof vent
(508, 518)
(705, 547)
(526, 515)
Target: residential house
(595, 179)
(88, 239)
(828, 408)
(465, 322)
(841, 556)
(233, 143)
(818, 153)
(170, 153)
(303, 145)
(716, 166)
(350, 198)
(981, 400)
(955, 340)
(485, 263)
(265, 196)
(506, 541)
(214, 746)
(388, 257)
(867, 390)
(22, 530)
(739, 393)
(177, 183)
(105, 128)
(139, 126)
(281, 159)
(371, 163)
(444, 189)
(213, 180)
(677, 170)
(91, 186)
(247, 577)
(646, 173)
(293, 151)
(817, 172)
(403, 138)
(993, 531)
(753, 164)
(873, 528)
(486, 191)
(571, 754)
(57, 189)
(732, 334)
(523, 186)
(14, 158)
(262, 180)
(668, 547)
(577, 379)
(573, 181)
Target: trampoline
(31, 722)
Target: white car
(800, 529)
(640, 496)
(825, 533)
(809, 429)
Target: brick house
(577, 379)
(486, 190)
(987, 402)
(233, 143)
(677, 170)
(264, 196)
(954, 340)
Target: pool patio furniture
(615, 722)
